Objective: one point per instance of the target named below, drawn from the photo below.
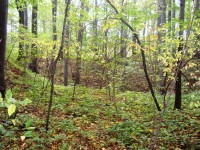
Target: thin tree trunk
(169, 17)
(66, 60)
(161, 34)
(134, 44)
(173, 16)
(55, 63)
(3, 33)
(197, 12)
(54, 37)
(123, 34)
(105, 53)
(178, 85)
(95, 29)
(26, 46)
(21, 11)
(78, 51)
(33, 64)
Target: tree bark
(197, 12)
(95, 28)
(22, 10)
(178, 85)
(3, 33)
(54, 36)
(78, 51)
(161, 21)
(123, 35)
(33, 64)
(66, 60)
(169, 15)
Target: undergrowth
(92, 121)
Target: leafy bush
(12, 105)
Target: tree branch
(142, 53)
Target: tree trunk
(66, 60)
(173, 16)
(123, 51)
(3, 33)
(123, 36)
(178, 85)
(197, 12)
(134, 44)
(169, 16)
(33, 64)
(54, 36)
(21, 11)
(95, 29)
(160, 23)
(26, 17)
(78, 51)
(55, 63)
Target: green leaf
(11, 101)
(28, 134)
(8, 94)
(2, 130)
(28, 123)
(25, 102)
(11, 109)
(197, 104)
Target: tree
(23, 24)
(54, 36)
(142, 53)
(80, 42)
(95, 28)
(66, 59)
(33, 64)
(3, 33)
(123, 36)
(197, 12)
(55, 63)
(178, 86)
(161, 21)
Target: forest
(100, 74)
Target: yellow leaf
(13, 121)
(11, 109)
(133, 136)
(151, 130)
(132, 44)
(152, 48)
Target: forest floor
(91, 121)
